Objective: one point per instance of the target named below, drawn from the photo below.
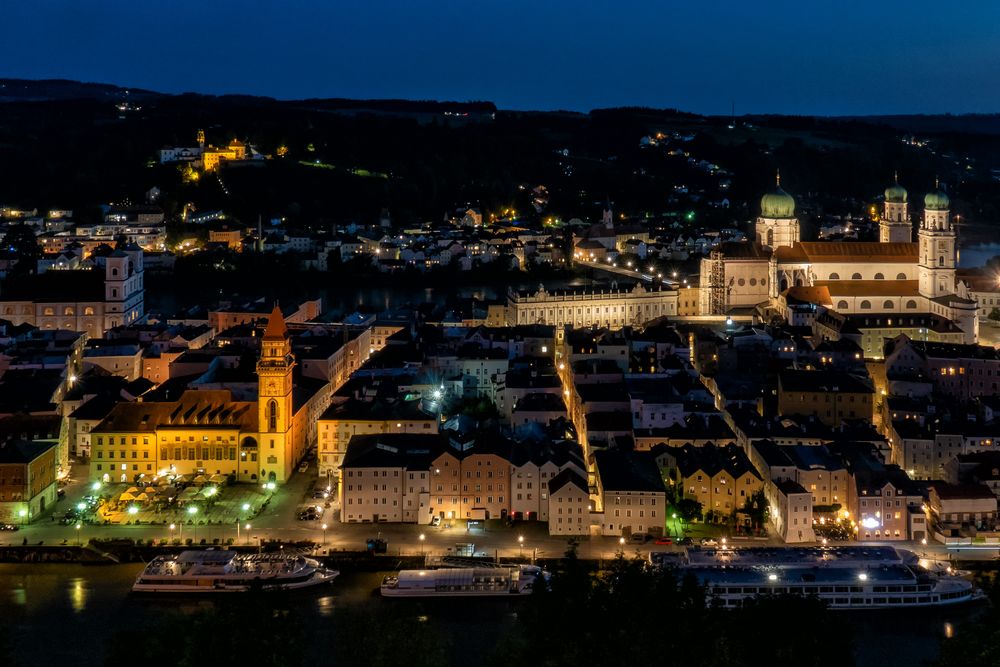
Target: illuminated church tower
(274, 403)
(937, 247)
(895, 224)
(777, 225)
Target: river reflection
(87, 606)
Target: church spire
(777, 177)
(276, 329)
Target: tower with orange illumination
(274, 403)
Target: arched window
(272, 416)
(88, 310)
(770, 237)
(856, 276)
(114, 271)
(842, 305)
(900, 276)
(798, 282)
(48, 311)
(834, 276)
(866, 305)
(941, 260)
(911, 304)
(879, 276)
(68, 310)
(888, 305)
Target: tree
(758, 509)
(661, 618)
(20, 242)
(994, 314)
(689, 509)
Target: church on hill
(893, 283)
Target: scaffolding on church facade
(717, 284)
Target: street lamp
(192, 511)
(248, 532)
(520, 545)
(674, 517)
(422, 538)
(23, 514)
(78, 527)
(324, 534)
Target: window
(879, 276)
(272, 416)
(866, 305)
(834, 276)
(856, 276)
(900, 276)
(842, 305)
(911, 304)
(887, 304)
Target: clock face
(272, 385)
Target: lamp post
(78, 527)
(520, 546)
(23, 515)
(192, 511)
(172, 526)
(324, 534)
(621, 546)
(422, 552)
(676, 527)
(248, 533)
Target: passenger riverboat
(843, 577)
(464, 582)
(223, 571)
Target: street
(278, 522)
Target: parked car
(664, 540)
(435, 521)
(304, 466)
(684, 541)
(709, 542)
(639, 538)
(7, 526)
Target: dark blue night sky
(809, 56)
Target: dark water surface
(67, 614)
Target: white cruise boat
(843, 577)
(463, 582)
(213, 571)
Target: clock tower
(274, 400)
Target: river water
(67, 614)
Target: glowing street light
(324, 534)
(96, 486)
(422, 538)
(247, 527)
(78, 527)
(133, 510)
(520, 545)
(246, 507)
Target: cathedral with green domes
(866, 291)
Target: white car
(709, 542)
(435, 521)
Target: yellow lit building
(206, 431)
(211, 157)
